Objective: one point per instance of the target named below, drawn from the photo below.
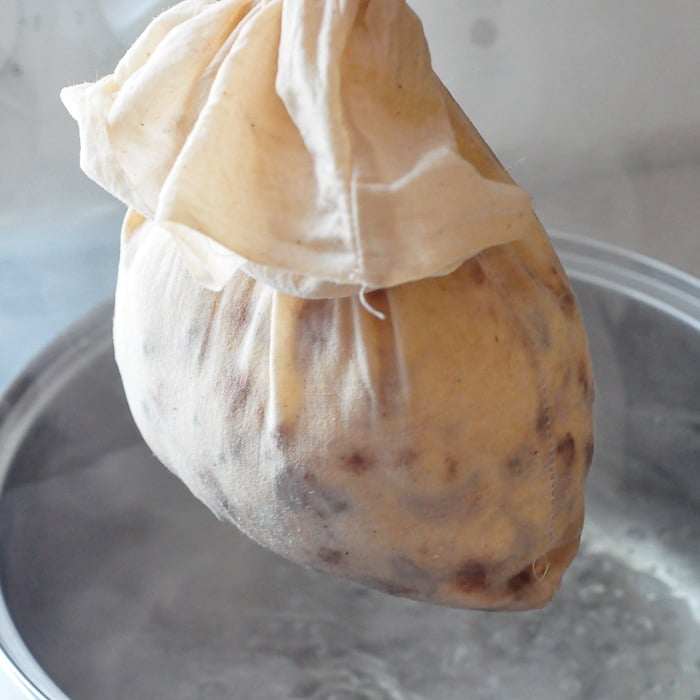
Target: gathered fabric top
(305, 142)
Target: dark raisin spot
(451, 468)
(357, 463)
(471, 577)
(584, 379)
(567, 302)
(557, 285)
(300, 490)
(521, 580)
(332, 557)
(588, 452)
(542, 425)
(566, 450)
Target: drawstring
(368, 307)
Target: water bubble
(592, 593)
(355, 676)
(580, 630)
(642, 630)
(570, 687)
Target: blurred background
(594, 107)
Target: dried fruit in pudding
(338, 320)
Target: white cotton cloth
(305, 142)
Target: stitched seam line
(542, 387)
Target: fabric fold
(305, 142)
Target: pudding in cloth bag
(338, 320)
